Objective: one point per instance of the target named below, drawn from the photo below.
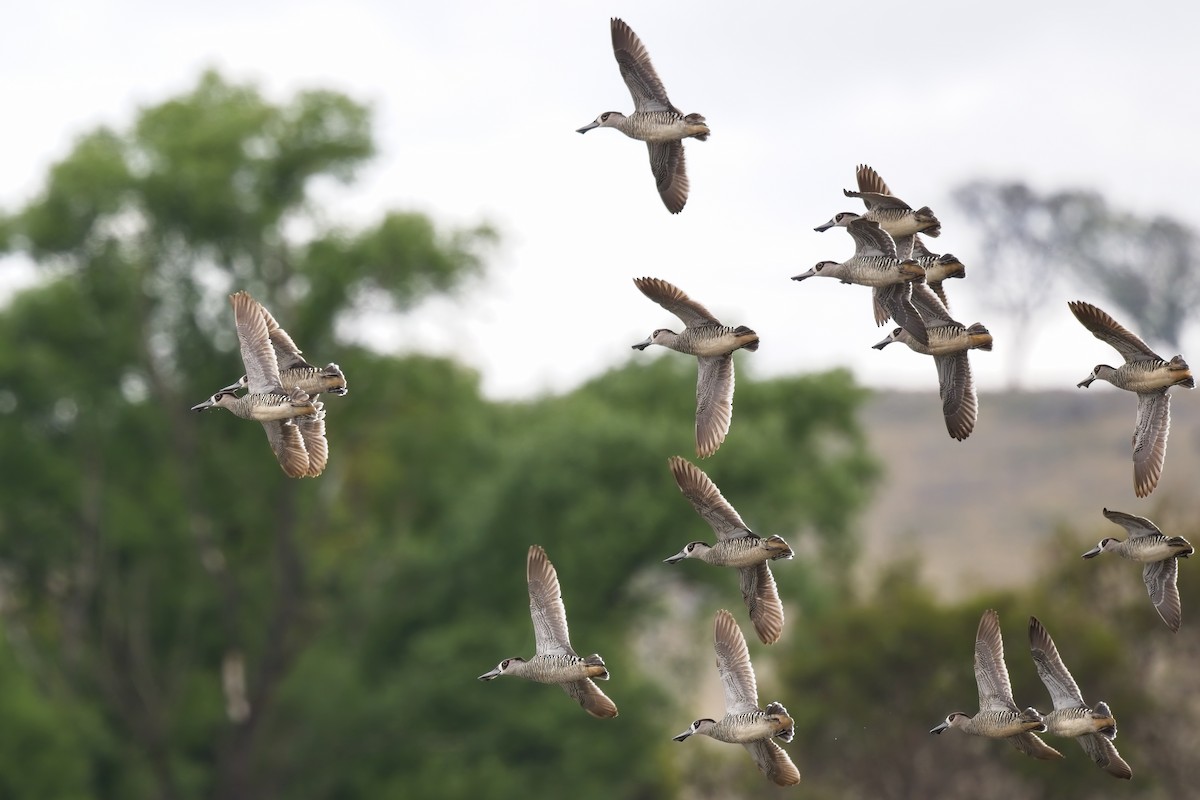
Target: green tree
(158, 562)
(198, 625)
(585, 475)
(866, 680)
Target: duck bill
(642, 345)
(240, 383)
(675, 559)
(938, 729)
(1095, 551)
(884, 343)
(825, 227)
(683, 735)
(1086, 382)
(490, 675)
(587, 127)
(804, 275)
(203, 406)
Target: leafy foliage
(195, 624)
(869, 678)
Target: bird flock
(282, 393)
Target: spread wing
(706, 498)
(960, 407)
(875, 202)
(940, 291)
(546, 606)
(931, 307)
(287, 442)
(1107, 329)
(774, 762)
(714, 402)
(733, 665)
(870, 239)
(636, 70)
(874, 193)
(991, 675)
(1160, 578)
(673, 299)
(588, 695)
(1150, 440)
(897, 302)
(312, 431)
(1105, 754)
(870, 181)
(905, 246)
(258, 356)
(670, 173)
(1064, 692)
(919, 250)
(1133, 525)
(762, 601)
(287, 354)
(1032, 746)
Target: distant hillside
(979, 512)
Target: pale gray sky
(476, 105)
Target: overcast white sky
(476, 105)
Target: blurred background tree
(183, 621)
(1021, 263)
(1143, 266)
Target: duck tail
(1179, 541)
(595, 667)
(1106, 723)
(777, 708)
(742, 332)
(334, 379)
(925, 216)
(912, 271)
(777, 547)
(954, 267)
(698, 121)
(981, 338)
(1177, 364)
(1033, 719)
(299, 398)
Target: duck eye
(604, 116)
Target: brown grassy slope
(977, 513)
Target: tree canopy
(181, 620)
(1144, 265)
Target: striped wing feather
(1150, 440)
(991, 675)
(639, 74)
(258, 356)
(714, 402)
(1108, 330)
(546, 606)
(706, 498)
(762, 601)
(588, 694)
(733, 665)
